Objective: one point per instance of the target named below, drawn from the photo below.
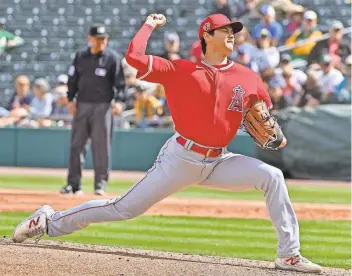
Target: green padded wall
(8, 147)
(46, 148)
(131, 149)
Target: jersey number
(237, 100)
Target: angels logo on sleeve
(237, 99)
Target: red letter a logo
(237, 100)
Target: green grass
(310, 194)
(325, 242)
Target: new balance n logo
(34, 222)
(292, 260)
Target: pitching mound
(57, 258)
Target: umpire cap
(98, 30)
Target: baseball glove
(263, 127)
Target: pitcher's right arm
(150, 68)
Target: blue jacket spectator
(268, 22)
(22, 96)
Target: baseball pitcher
(208, 101)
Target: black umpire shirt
(96, 78)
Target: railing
(125, 120)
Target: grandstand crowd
(310, 74)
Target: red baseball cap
(216, 21)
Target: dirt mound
(56, 258)
(24, 200)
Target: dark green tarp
(319, 143)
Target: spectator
(244, 57)
(290, 87)
(337, 47)
(196, 54)
(242, 8)
(12, 117)
(295, 21)
(223, 7)
(22, 96)
(41, 105)
(267, 75)
(244, 42)
(131, 83)
(343, 91)
(159, 93)
(268, 22)
(308, 31)
(147, 108)
(328, 77)
(62, 80)
(130, 79)
(282, 7)
(19, 104)
(267, 56)
(298, 76)
(172, 46)
(60, 104)
(276, 94)
(8, 40)
(312, 93)
(166, 119)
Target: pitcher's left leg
(239, 173)
(236, 172)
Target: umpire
(96, 79)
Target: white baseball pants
(177, 168)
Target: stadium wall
(132, 149)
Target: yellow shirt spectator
(146, 105)
(308, 31)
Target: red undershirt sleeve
(150, 68)
(263, 93)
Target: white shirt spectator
(267, 58)
(329, 81)
(42, 107)
(298, 75)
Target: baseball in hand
(156, 20)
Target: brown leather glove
(263, 127)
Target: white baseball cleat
(297, 263)
(34, 225)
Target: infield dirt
(51, 258)
(30, 200)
